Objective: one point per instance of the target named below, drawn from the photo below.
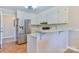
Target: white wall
(7, 22)
(8, 26)
(74, 17)
(74, 25)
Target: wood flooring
(12, 47)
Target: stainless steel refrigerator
(22, 29)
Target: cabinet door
(52, 16)
(57, 15)
(62, 15)
(61, 41)
(47, 41)
(31, 44)
(58, 40)
(53, 41)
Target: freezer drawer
(21, 39)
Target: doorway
(8, 36)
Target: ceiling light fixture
(30, 7)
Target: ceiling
(37, 10)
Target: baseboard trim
(10, 37)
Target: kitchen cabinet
(52, 40)
(62, 15)
(54, 15)
(47, 42)
(34, 19)
(60, 40)
(31, 44)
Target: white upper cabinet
(54, 15)
(34, 19)
(62, 15)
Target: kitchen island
(47, 41)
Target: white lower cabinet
(52, 42)
(31, 44)
(59, 40)
(48, 42)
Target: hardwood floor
(12, 47)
